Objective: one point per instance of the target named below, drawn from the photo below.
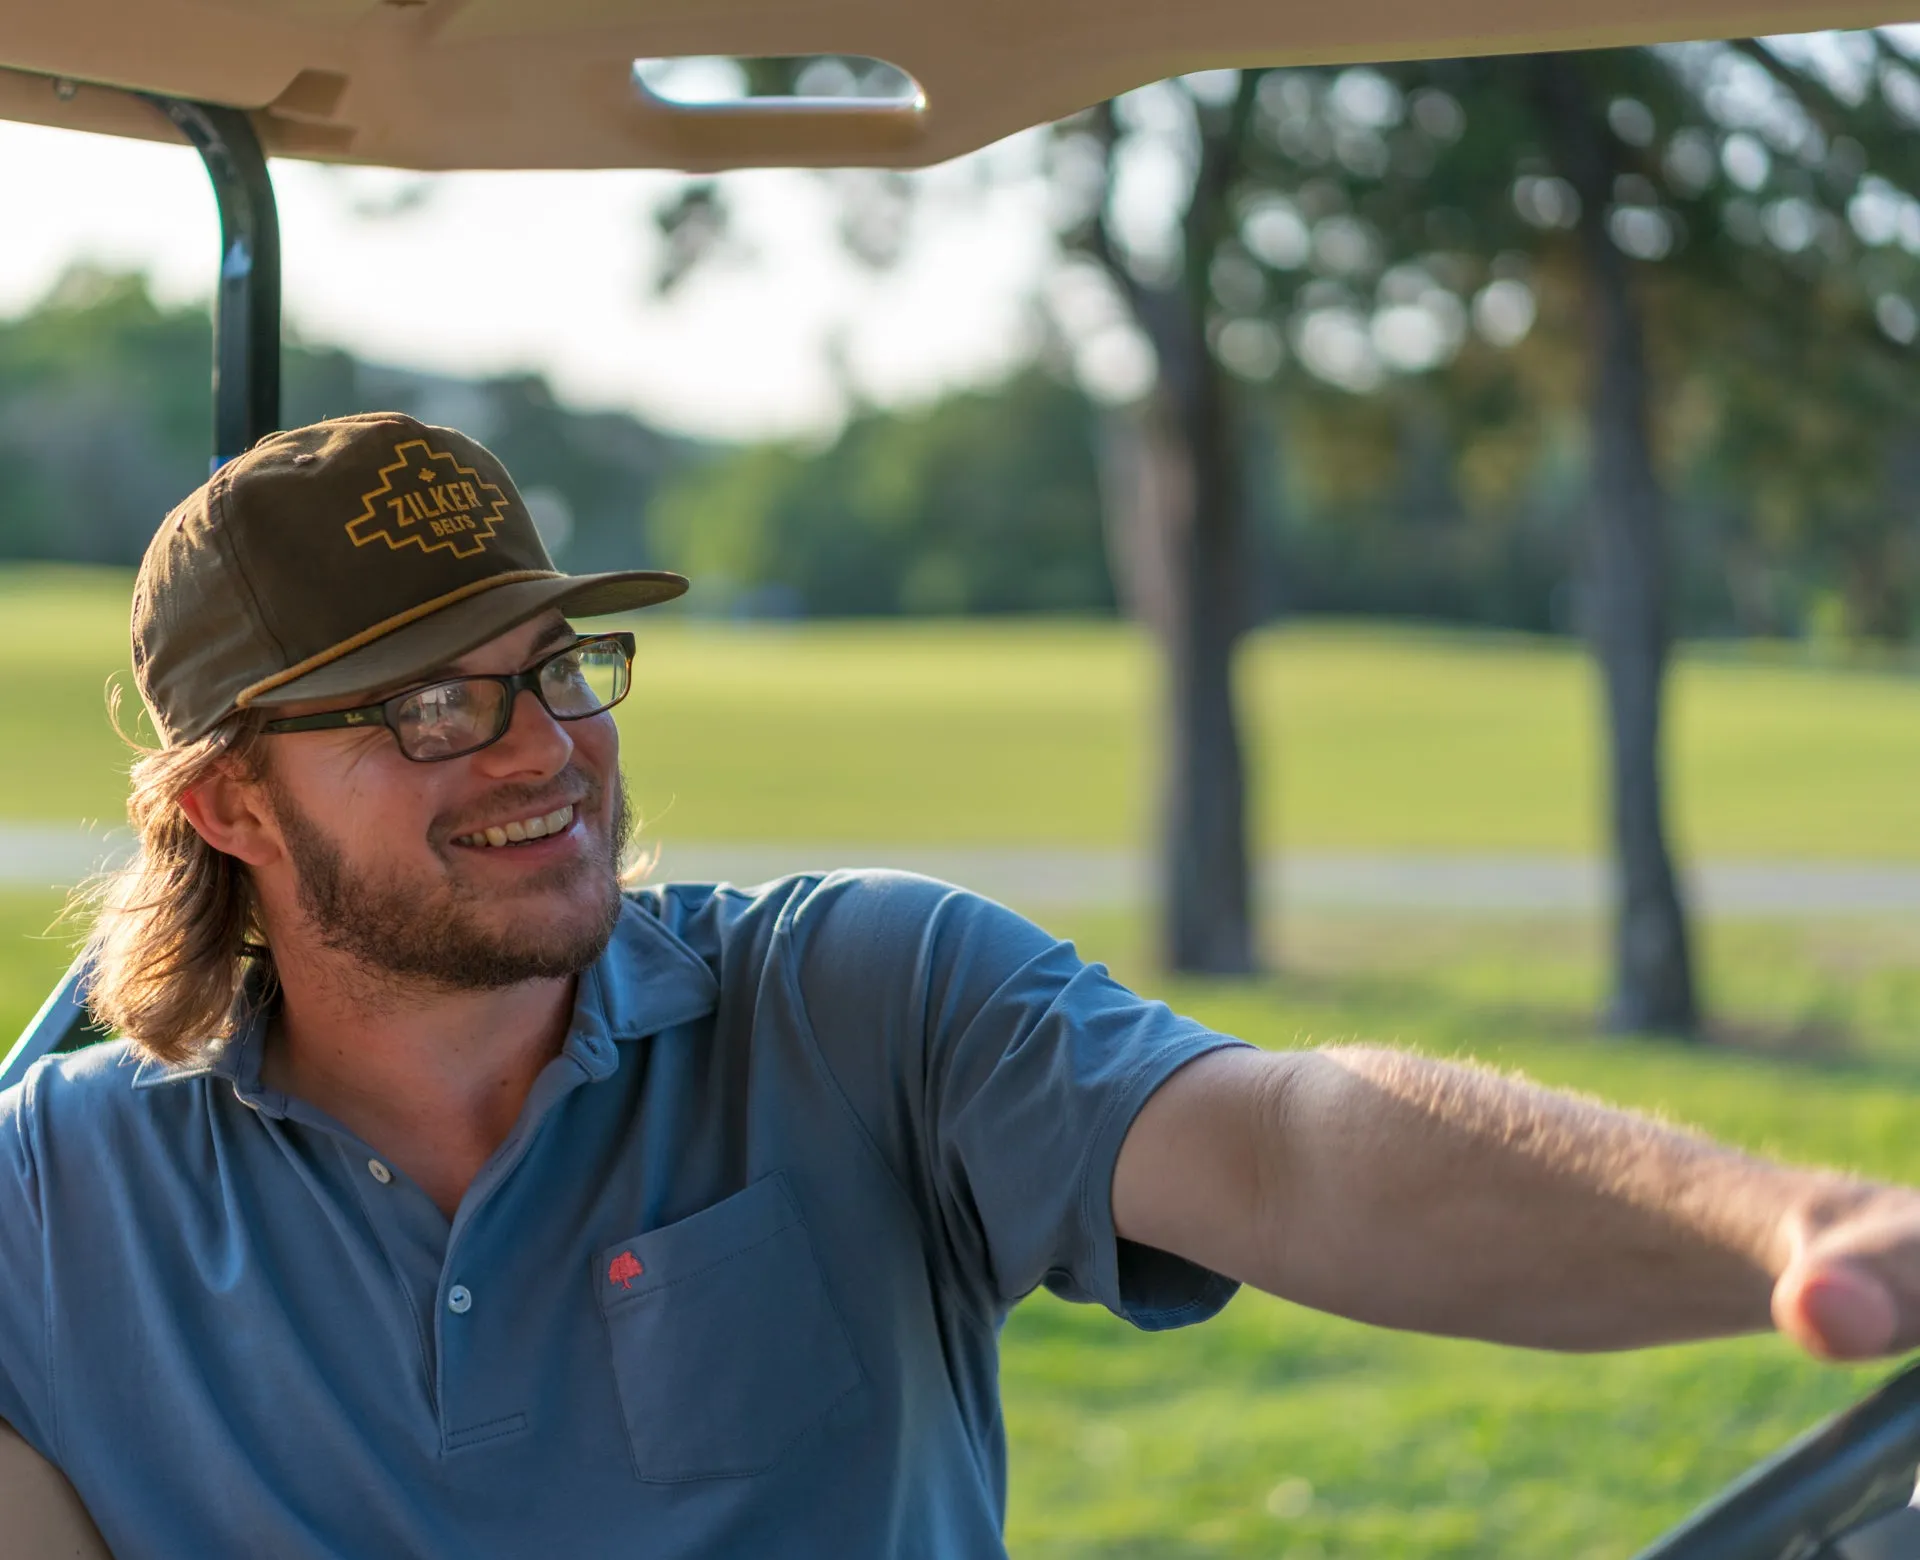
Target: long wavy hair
(176, 929)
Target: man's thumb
(1835, 1311)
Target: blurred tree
(1364, 224)
(1175, 505)
(104, 412)
(1812, 392)
(1628, 621)
(1175, 464)
(105, 405)
(981, 503)
(1609, 195)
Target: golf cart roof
(436, 84)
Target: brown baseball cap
(335, 559)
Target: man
(449, 1200)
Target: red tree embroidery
(624, 1269)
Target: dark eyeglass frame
(381, 714)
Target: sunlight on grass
(1276, 1432)
(996, 732)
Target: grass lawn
(1361, 738)
(63, 634)
(997, 733)
(1275, 1432)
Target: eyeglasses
(464, 714)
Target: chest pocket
(727, 1349)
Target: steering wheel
(1842, 1491)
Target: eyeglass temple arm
(364, 715)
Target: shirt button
(459, 1299)
(379, 1171)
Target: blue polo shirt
(732, 1286)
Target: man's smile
(518, 830)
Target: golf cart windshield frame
(246, 406)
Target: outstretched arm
(1449, 1199)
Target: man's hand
(1851, 1289)
(1448, 1199)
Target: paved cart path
(39, 855)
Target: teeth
(521, 829)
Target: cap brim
(422, 647)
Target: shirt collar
(646, 981)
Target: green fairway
(1274, 1431)
(63, 634)
(1004, 733)
(33, 954)
(1277, 1431)
(1362, 738)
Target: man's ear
(230, 813)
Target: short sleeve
(25, 1390)
(1001, 1073)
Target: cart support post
(246, 406)
(246, 319)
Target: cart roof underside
(437, 84)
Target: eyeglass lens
(455, 717)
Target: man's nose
(535, 743)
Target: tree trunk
(1176, 545)
(1176, 530)
(1652, 968)
(1206, 868)
(1144, 476)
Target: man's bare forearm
(1426, 1195)
(1448, 1199)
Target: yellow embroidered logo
(430, 501)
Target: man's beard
(389, 926)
